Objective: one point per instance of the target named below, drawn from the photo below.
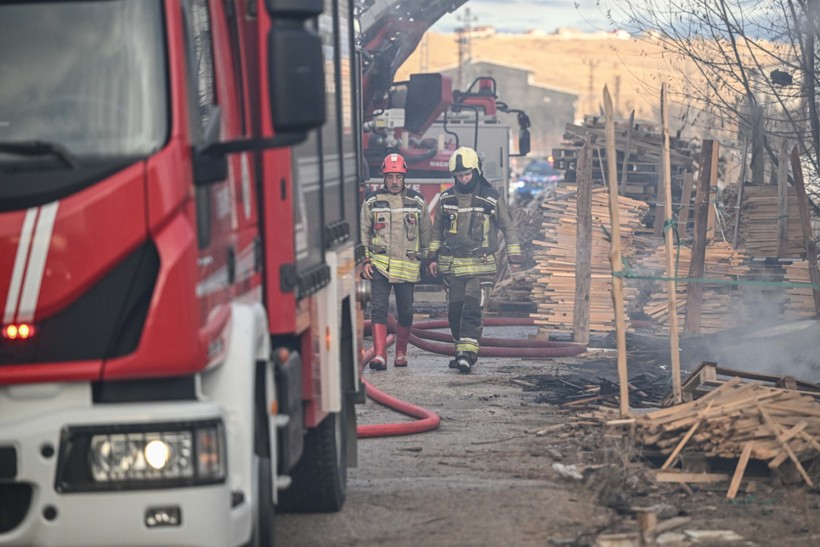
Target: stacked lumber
(720, 302)
(737, 420)
(553, 277)
(757, 232)
(799, 302)
(511, 293)
(641, 146)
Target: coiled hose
(420, 336)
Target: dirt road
(486, 478)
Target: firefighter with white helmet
(395, 232)
(464, 250)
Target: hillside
(631, 68)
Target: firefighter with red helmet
(467, 220)
(395, 232)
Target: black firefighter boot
(402, 337)
(465, 361)
(379, 360)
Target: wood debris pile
(735, 420)
(646, 390)
(640, 143)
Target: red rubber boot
(402, 336)
(379, 361)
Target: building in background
(550, 109)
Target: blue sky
(523, 15)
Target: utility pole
(463, 36)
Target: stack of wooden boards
(736, 419)
(720, 308)
(553, 278)
(757, 229)
(799, 302)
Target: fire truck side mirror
(295, 8)
(523, 142)
(523, 131)
(296, 79)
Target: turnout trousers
(467, 299)
(380, 294)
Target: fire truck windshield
(88, 78)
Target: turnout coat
(396, 232)
(466, 232)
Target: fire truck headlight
(141, 456)
(157, 453)
(144, 457)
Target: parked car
(538, 176)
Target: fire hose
(420, 336)
(427, 420)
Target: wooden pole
(783, 199)
(758, 150)
(739, 204)
(685, 200)
(694, 291)
(615, 253)
(625, 167)
(805, 223)
(671, 289)
(660, 213)
(583, 246)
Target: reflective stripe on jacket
(396, 232)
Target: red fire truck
(181, 324)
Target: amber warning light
(18, 331)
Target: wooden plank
(706, 372)
(740, 186)
(686, 202)
(686, 438)
(666, 179)
(615, 258)
(624, 171)
(805, 223)
(776, 429)
(701, 478)
(740, 470)
(758, 146)
(583, 247)
(785, 437)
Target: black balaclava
(470, 186)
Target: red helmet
(394, 163)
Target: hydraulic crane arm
(391, 30)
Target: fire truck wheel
(263, 518)
(320, 478)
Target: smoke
(768, 344)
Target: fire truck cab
(181, 321)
